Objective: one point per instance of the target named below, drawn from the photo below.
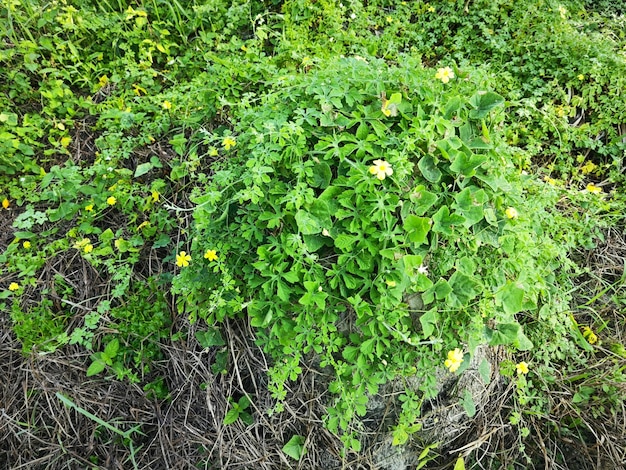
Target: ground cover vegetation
(228, 228)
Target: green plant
(375, 234)
(237, 411)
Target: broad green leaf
(209, 338)
(511, 298)
(483, 102)
(470, 204)
(390, 106)
(142, 169)
(231, 416)
(428, 321)
(367, 346)
(417, 228)
(345, 242)
(484, 369)
(362, 131)
(464, 288)
(429, 169)
(464, 164)
(444, 222)
(422, 199)
(112, 348)
(307, 224)
(95, 368)
(294, 448)
(321, 175)
(468, 404)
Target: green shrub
(375, 275)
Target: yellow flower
(511, 213)
(381, 169)
(102, 81)
(213, 152)
(26, 244)
(581, 77)
(111, 200)
(65, 141)
(431, 9)
(593, 189)
(455, 358)
(88, 248)
(5, 203)
(211, 255)
(229, 142)
(391, 283)
(139, 90)
(89, 208)
(167, 105)
(588, 168)
(589, 335)
(522, 368)
(182, 259)
(563, 11)
(14, 286)
(444, 74)
(155, 196)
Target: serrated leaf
(294, 448)
(111, 349)
(444, 222)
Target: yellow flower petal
(211, 255)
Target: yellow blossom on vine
(65, 141)
(381, 169)
(89, 207)
(182, 259)
(155, 196)
(111, 200)
(445, 74)
(229, 142)
(5, 203)
(88, 248)
(211, 255)
(511, 213)
(454, 361)
(522, 368)
(14, 286)
(581, 77)
(391, 283)
(26, 244)
(588, 168)
(167, 105)
(589, 335)
(593, 189)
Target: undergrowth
(376, 188)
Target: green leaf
(96, 367)
(417, 228)
(231, 416)
(429, 169)
(470, 204)
(321, 175)
(483, 102)
(460, 464)
(484, 369)
(464, 288)
(511, 298)
(444, 222)
(111, 349)
(422, 199)
(464, 164)
(400, 436)
(142, 169)
(428, 321)
(294, 448)
(209, 338)
(345, 242)
(315, 219)
(468, 404)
